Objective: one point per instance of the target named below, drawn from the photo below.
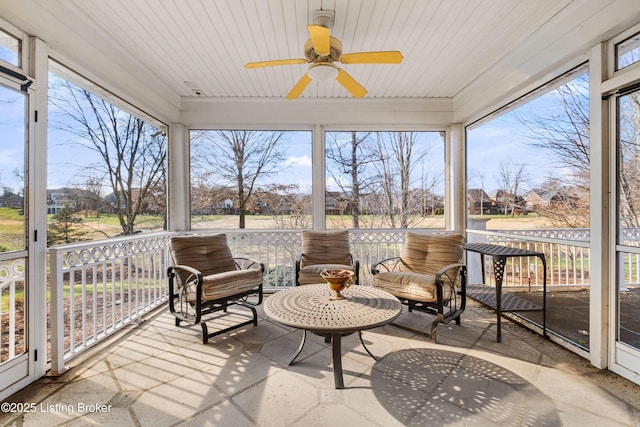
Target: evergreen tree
(65, 228)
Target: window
(106, 166)
(12, 167)
(628, 52)
(10, 48)
(384, 179)
(528, 187)
(250, 179)
(529, 168)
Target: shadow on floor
(454, 387)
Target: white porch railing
(12, 336)
(99, 287)
(279, 249)
(567, 260)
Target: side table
(506, 302)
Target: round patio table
(310, 308)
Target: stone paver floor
(156, 374)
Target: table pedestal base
(336, 346)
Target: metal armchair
(322, 250)
(205, 278)
(428, 276)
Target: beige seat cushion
(211, 256)
(428, 253)
(422, 256)
(310, 274)
(207, 254)
(413, 286)
(325, 247)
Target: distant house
(562, 196)
(73, 198)
(479, 202)
(537, 199)
(336, 203)
(11, 200)
(149, 206)
(226, 208)
(507, 203)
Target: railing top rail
(107, 242)
(299, 230)
(530, 238)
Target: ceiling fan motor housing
(335, 51)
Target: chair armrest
(461, 270)
(444, 272)
(195, 276)
(384, 264)
(248, 264)
(175, 269)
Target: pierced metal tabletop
(309, 307)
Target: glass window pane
(106, 168)
(528, 187)
(385, 180)
(628, 52)
(9, 48)
(250, 179)
(628, 169)
(628, 174)
(12, 167)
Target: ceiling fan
(321, 51)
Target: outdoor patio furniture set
(428, 276)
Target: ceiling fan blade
(275, 62)
(299, 87)
(350, 84)
(320, 38)
(384, 57)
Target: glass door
(14, 337)
(625, 300)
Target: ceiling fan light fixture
(323, 71)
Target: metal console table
(505, 302)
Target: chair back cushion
(208, 254)
(325, 247)
(428, 253)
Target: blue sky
(501, 141)
(12, 137)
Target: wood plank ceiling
(195, 48)
(202, 45)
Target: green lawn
(100, 288)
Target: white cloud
(298, 161)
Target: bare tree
(289, 209)
(132, 153)
(511, 177)
(564, 133)
(353, 160)
(396, 157)
(565, 206)
(93, 186)
(481, 174)
(238, 158)
(629, 160)
(428, 183)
